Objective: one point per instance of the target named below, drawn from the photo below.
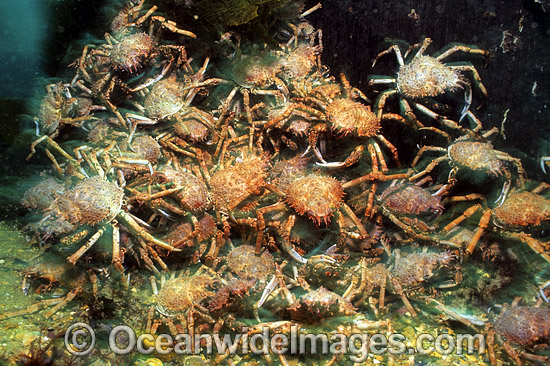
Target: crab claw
(543, 161)
(331, 165)
(294, 254)
(269, 288)
(321, 259)
(502, 197)
(316, 152)
(467, 101)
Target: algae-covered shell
(90, 202)
(244, 262)
(521, 210)
(131, 50)
(315, 196)
(180, 293)
(524, 325)
(476, 155)
(347, 116)
(410, 199)
(426, 76)
(194, 195)
(235, 181)
(165, 98)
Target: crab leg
(397, 52)
(138, 231)
(71, 295)
(285, 242)
(260, 223)
(53, 144)
(469, 212)
(445, 121)
(146, 259)
(83, 249)
(372, 177)
(56, 165)
(483, 223)
(349, 212)
(429, 168)
(150, 197)
(390, 146)
(534, 244)
(397, 287)
(31, 308)
(543, 161)
(172, 26)
(472, 69)
(157, 258)
(423, 47)
(425, 149)
(117, 256)
(217, 243)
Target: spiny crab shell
(165, 98)
(90, 202)
(316, 196)
(524, 325)
(194, 196)
(247, 175)
(244, 263)
(299, 62)
(347, 116)
(416, 268)
(257, 70)
(131, 51)
(319, 304)
(426, 76)
(476, 155)
(179, 294)
(410, 199)
(143, 147)
(522, 209)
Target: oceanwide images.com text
(80, 340)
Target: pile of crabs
(259, 190)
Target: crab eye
(437, 211)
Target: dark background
(354, 32)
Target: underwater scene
(275, 182)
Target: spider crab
(316, 196)
(521, 210)
(170, 100)
(519, 329)
(414, 208)
(336, 110)
(95, 203)
(54, 274)
(408, 273)
(59, 108)
(523, 326)
(477, 155)
(179, 299)
(126, 51)
(426, 77)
